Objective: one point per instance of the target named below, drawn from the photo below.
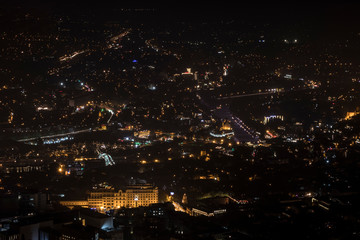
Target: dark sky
(331, 16)
(211, 8)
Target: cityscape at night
(174, 122)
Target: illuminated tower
(184, 199)
(225, 68)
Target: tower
(196, 76)
(184, 199)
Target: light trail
(76, 53)
(112, 114)
(121, 35)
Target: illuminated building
(268, 118)
(188, 72)
(225, 126)
(224, 131)
(226, 69)
(184, 199)
(141, 195)
(103, 127)
(142, 134)
(288, 76)
(134, 196)
(349, 115)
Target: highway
(55, 135)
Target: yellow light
(60, 169)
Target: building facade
(133, 196)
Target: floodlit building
(133, 196)
(350, 115)
(267, 119)
(225, 126)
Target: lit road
(71, 56)
(241, 131)
(55, 135)
(248, 95)
(272, 91)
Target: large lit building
(133, 196)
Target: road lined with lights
(55, 135)
(249, 95)
(241, 131)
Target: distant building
(224, 131)
(184, 199)
(209, 207)
(226, 69)
(226, 126)
(105, 199)
(188, 72)
(350, 115)
(141, 195)
(267, 119)
(142, 134)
